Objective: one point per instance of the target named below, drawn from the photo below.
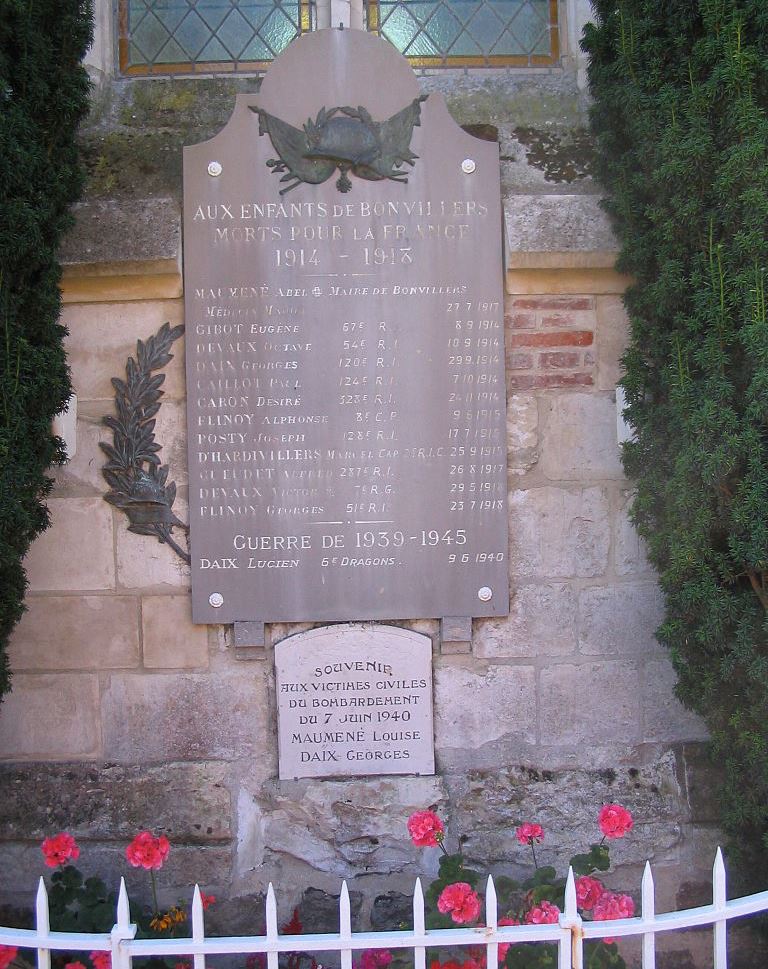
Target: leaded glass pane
(175, 35)
(487, 31)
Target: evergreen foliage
(681, 94)
(43, 95)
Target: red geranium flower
(59, 849)
(588, 891)
(461, 901)
(147, 851)
(528, 833)
(612, 906)
(545, 913)
(207, 900)
(426, 829)
(101, 960)
(614, 820)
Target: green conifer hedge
(680, 99)
(43, 95)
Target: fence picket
(43, 924)
(122, 930)
(718, 901)
(345, 926)
(648, 902)
(419, 951)
(198, 928)
(492, 922)
(571, 948)
(271, 920)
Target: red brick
(520, 361)
(562, 319)
(520, 321)
(553, 303)
(548, 381)
(574, 338)
(559, 360)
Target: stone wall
(125, 715)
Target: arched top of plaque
(330, 69)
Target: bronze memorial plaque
(344, 345)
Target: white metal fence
(569, 933)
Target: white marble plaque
(354, 699)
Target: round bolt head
(485, 594)
(216, 599)
(214, 168)
(468, 166)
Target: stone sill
(123, 251)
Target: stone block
(472, 709)
(579, 439)
(170, 640)
(703, 779)
(592, 703)
(171, 434)
(186, 802)
(556, 533)
(522, 432)
(630, 553)
(145, 563)
(81, 476)
(52, 717)
(319, 911)
(336, 827)
(541, 621)
(391, 911)
(103, 335)
(76, 552)
(490, 803)
(122, 233)
(557, 223)
(185, 716)
(612, 339)
(620, 619)
(76, 632)
(665, 718)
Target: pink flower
(59, 849)
(614, 820)
(426, 829)
(101, 960)
(588, 891)
(504, 946)
(612, 906)
(461, 901)
(183, 965)
(373, 959)
(528, 833)
(147, 851)
(7, 955)
(207, 900)
(545, 913)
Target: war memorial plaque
(344, 349)
(354, 699)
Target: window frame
(490, 60)
(191, 68)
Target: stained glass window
(472, 33)
(193, 36)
